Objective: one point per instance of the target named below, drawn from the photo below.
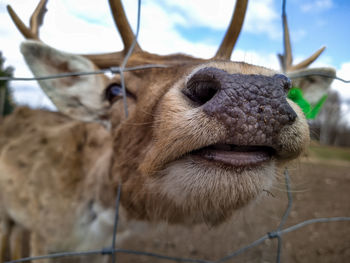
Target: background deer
(312, 81)
(201, 140)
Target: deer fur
(59, 174)
(60, 171)
(314, 82)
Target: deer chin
(209, 190)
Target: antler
(232, 33)
(101, 60)
(122, 24)
(36, 21)
(286, 60)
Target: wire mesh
(112, 250)
(274, 234)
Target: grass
(329, 152)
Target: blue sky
(194, 27)
(312, 24)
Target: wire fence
(112, 251)
(274, 234)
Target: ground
(320, 185)
(320, 188)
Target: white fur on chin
(204, 188)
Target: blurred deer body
(201, 140)
(67, 202)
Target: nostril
(287, 85)
(292, 117)
(201, 91)
(285, 82)
(290, 114)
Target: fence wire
(112, 251)
(275, 234)
(113, 70)
(119, 70)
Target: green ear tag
(296, 95)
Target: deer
(314, 82)
(202, 139)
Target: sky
(194, 27)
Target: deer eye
(113, 92)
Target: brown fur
(58, 176)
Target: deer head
(202, 138)
(314, 82)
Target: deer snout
(253, 108)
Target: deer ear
(315, 82)
(80, 97)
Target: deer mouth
(235, 155)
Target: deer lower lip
(236, 156)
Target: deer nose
(250, 106)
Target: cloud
(261, 17)
(31, 96)
(341, 87)
(71, 25)
(83, 27)
(268, 60)
(314, 6)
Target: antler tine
(286, 59)
(25, 31)
(35, 21)
(305, 63)
(122, 24)
(37, 18)
(232, 33)
(111, 59)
